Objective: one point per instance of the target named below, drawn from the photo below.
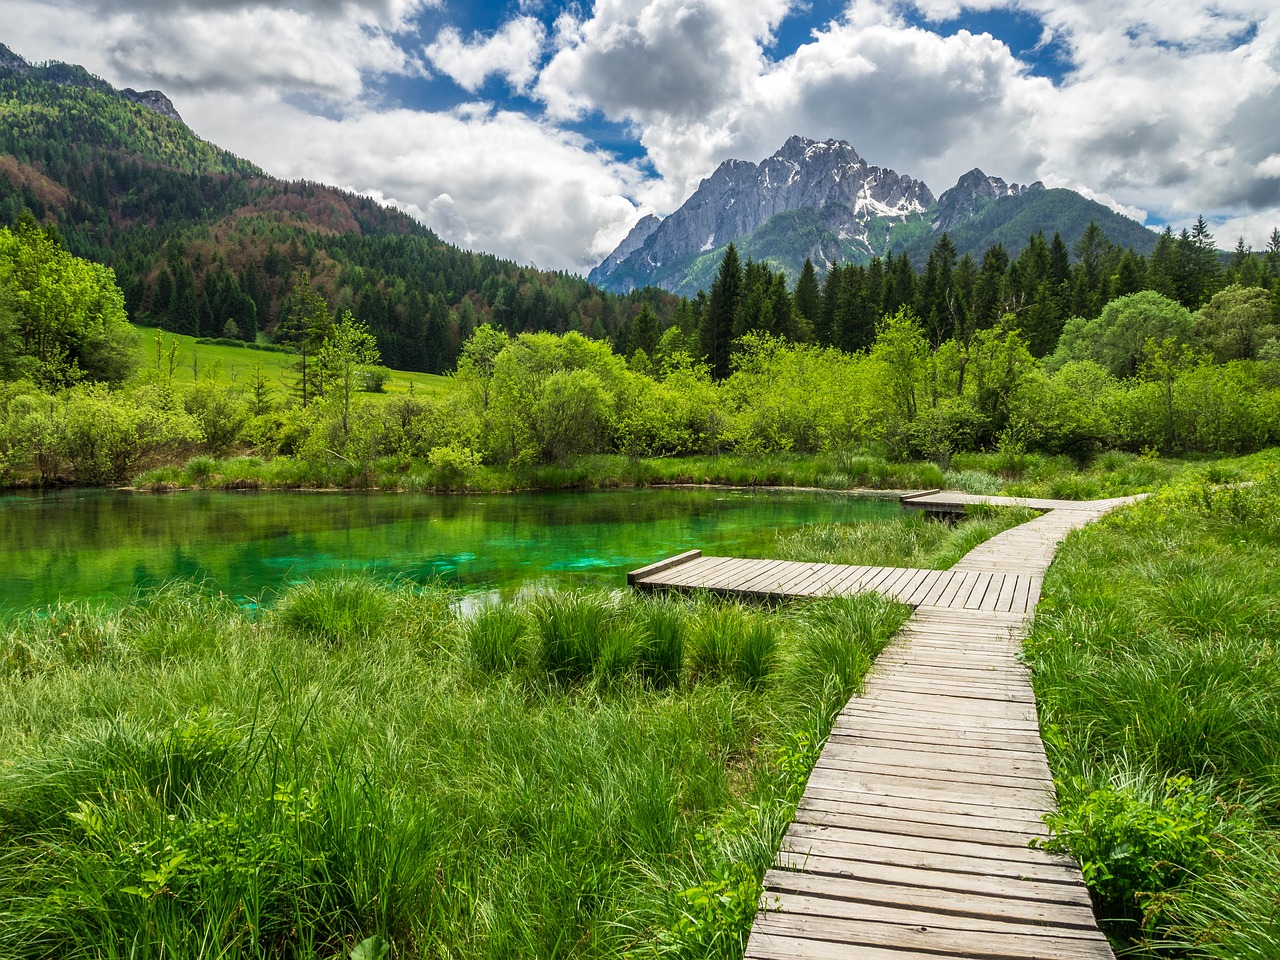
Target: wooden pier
(913, 838)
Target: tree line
(1041, 292)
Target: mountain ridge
(853, 211)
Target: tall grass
(1154, 652)
(556, 776)
(907, 541)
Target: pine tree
(1089, 281)
(808, 298)
(1059, 261)
(304, 326)
(1202, 268)
(825, 330)
(717, 321)
(1129, 276)
(1164, 266)
(934, 288)
(644, 333)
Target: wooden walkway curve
(912, 840)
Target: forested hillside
(205, 243)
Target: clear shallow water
(100, 544)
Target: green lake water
(102, 544)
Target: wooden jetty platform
(913, 838)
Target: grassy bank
(576, 775)
(1154, 652)
(1110, 475)
(242, 364)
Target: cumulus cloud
(487, 179)
(319, 49)
(651, 59)
(513, 53)
(379, 11)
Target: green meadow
(241, 364)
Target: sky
(541, 130)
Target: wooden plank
(949, 929)
(933, 762)
(1007, 903)
(915, 828)
(909, 788)
(695, 571)
(1001, 829)
(1024, 749)
(767, 947)
(961, 866)
(848, 813)
(747, 574)
(815, 573)
(815, 938)
(662, 565)
(765, 576)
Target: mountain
(205, 243)
(971, 193)
(857, 203)
(1012, 218)
(822, 201)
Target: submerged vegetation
(1154, 653)
(573, 775)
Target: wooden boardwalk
(912, 840)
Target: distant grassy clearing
(239, 364)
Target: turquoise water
(101, 544)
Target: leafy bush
(1134, 842)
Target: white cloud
(322, 49)
(513, 53)
(1269, 167)
(485, 179)
(651, 59)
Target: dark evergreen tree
(1201, 268)
(645, 331)
(934, 289)
(900, 285)
(1059, 261)
(1089, 281)
(808, 298)
(717, 321)
(825, 330)
(1164, 268)
(1130, 275)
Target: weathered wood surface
(913, 838)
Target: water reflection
(81, 544)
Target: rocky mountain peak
(11, 61)
(73, 75)
(740, 197)
(973, 191)
(153, 100)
